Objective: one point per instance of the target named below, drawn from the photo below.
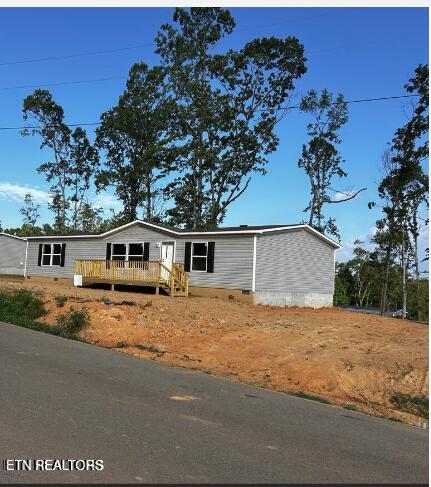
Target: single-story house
(12, 254)
(283, 265)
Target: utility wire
(62, 83)
(363, 100)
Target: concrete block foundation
(284, 298)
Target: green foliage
(20, 304)
(320, 158)
(30, 211)
(72, 322)
(311, 397)
(121, 344)
(226, 110)
(340, 292)
(417, 405)
(61, 300)
(134, 137)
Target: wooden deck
(138, 273)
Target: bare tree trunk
(385, 283)
(404, 272)
(417, 276)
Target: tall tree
(404, 187)
(30, 211)
(134, 138)
(83, 161)
(321, 158)
(228, 106)
(47, 120)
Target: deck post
(157, 290)
(112, 286)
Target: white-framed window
(199, 256)
(51, 254)
(135, 252)
(128, 252)
(119, 251)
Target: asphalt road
(66, 400)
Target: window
(119, 252)
(51, 254)
(128, 252)
(136, 252)
(199, 256)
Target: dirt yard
(351, 359)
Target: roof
(12, 236)
(242, 229)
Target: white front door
(167, 258)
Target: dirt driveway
(349, 358)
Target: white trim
(253, 284)
(198, 256)
(25, 264)
(13, 236)
(185, 234)
(51, 255)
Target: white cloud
(105, 201)
(342, 196)
(16, 192)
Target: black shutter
(39, 259)
(146, 251)
(187, 252)
(210, 257)
(108, 251)
(63, 254)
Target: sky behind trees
(360, 52)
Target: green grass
(311, 397)
(121, 345)
(350, 407)
(22, 308)
(417, 405)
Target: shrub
(121, 345)
(61, 300)
(72, 322)
(411, 404)
(20, 304)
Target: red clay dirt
(351, 359)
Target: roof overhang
(308, 228)
(13, 236)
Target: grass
(121, 345)
(417, 405)
(350, 407)
(22, 308)
(311, 397)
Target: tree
(404, 187)
(321, 159)
(227, 107)
(48, 118)
(30, 211)
(89, 219)
(134, 137)
(83, 161)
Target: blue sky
(360, 52)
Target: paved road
(68, 400)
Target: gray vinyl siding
(294, 262)
(140, 234)
(80, 248)
(233, 256)
(12, 255)
(233, 262)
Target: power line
(363, 100)
(62, 83)
(80, 54)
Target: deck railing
(152, 273)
